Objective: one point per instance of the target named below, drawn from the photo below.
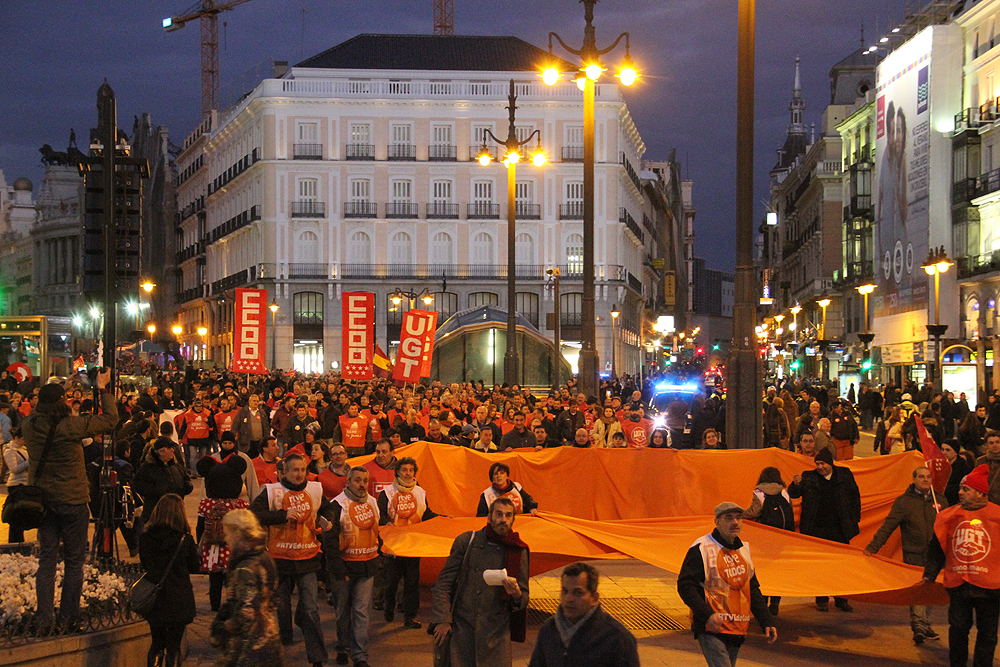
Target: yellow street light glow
(866, 289)
(202, 331)
(538, 158)
(428, 300)
(148, 286)
(942, 266)
(512, 157)
(396, 299)
(823, 303)
(273, 307)
(551, 76)
(593, 71)
(796, 309)
(930, 269)
(628, 76)
(581, 83)
(778, 318)
(151, 328)
(178, 330)
(485, 159)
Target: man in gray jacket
(913, 513)
(67, 492)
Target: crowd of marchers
(283, 516)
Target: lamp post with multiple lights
(937, 263)
(586, 77)
(512, 359)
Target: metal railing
(634, 282)
(401, 210)
(860, 206)
(307, 151)
(97, 615)
(402, 152)
(308, 209)
(976, 265)
(229, 282)
(308, 271)
(571, 211)
(360, 152)
(524, 211)
(441, 153)
(189, 252)
(360, 209)
(626, 218)
(572, 153)
(474, 152)
(614, 273)
(190, 294)
(482, 211)
(441, 210)
(988, 183)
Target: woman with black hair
(504, 487)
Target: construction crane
(444, 17)
(208, 12)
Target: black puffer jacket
(155, 479)
(175, 601)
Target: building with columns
(356, 170)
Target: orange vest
(636, 433)
(333, 484)
(727, 583)
(968, 537)
(405, 508)
(197, 425)
(353, 430)
(224, 420)
(358, 528)
(378, 478)
(294, 540)
(266, 472)
(514, 495)
(374, 423)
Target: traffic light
(866, 365)
(715, 347)
(701, 350)
(794, 365)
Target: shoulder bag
(144, 592)
(442, 651)
(25, 504)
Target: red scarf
(514, 545)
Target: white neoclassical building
(355, 170)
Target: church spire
(797, 106)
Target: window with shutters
(401, 248)
(482, 192)
(574, 135)
(526, 304)
(523, 132)
(479, 133)
(441, 192)
(361, 133)
(307, 189)
(574, 192)
(361, 190)
(524, 192)
(477, 299)
(482, 249)
(441, 135)
(307, 248)
(308, 133)
(401, 135)
(574, 254)
(441, 249)
(361, 248)
(524, 250)
(402, 191)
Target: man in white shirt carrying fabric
(717, 581)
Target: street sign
(669, 288)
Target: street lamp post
(590, 71)
(866, 337)
(274, 332)
(614, 340)
(512, 359)
(203, 332)
(823, 342)
(936, 264)
(554, 272)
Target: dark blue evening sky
(55, 54)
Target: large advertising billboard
(902, 161)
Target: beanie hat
(978, 479)
(824, 455)
(906, 397)
(50, 393)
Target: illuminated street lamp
(512, 359)
(148, 286)
(614, 340)
(178, 330)
(823, 303)
(590, 70)
(866, 337)
(274, 330)
(937, 263)
(151, 329)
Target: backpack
(777, 512)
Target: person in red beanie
(964, 536)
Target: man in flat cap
(717, 581)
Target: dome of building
(24, 184)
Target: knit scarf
(975, 504)
(514, 545)
(567, 629)
(361, 498)
(403, 487)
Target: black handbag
(144, 592)
(25, 505)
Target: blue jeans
(717, 652)
(306, 613)
(354, 604)
(66, 523)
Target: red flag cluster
(363, 358)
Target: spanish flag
(381, 367)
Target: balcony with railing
(977, 265)
(187, 253)
(308, 209)
(524, 211)
(238, 167)
(572, 272)
(482, 211)
(300, 271)
(474, 152)
(401, 210)
(307, 151)
(360, 209)
(234, 223)
(626, 219)
(988, 183)
(631, 173)
(237, 279)
(441, 153)
(197, 292)
(860, 206)
(402, 152)
(963, 191)
(442, 211)
(634, 282)
(360, 152)
(571, 211)
(572, 153)
(967, 119)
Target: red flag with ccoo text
(250, 331)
